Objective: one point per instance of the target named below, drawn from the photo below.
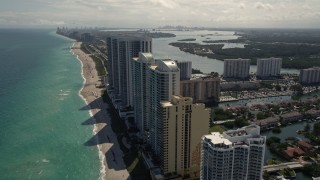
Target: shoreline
(101, 157)
(106, 139)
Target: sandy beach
(112, 165)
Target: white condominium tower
(121, 48)
(164, 82)
(236, 68)
(268, 67)
(181, 126)
(235, 154)
(310, 75)
(141, 95)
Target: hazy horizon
(292, 14)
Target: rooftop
(305, 144)
(167, 65)
(267, 121)
(291, 151)
(217, 138)
(239, 59)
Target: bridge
(290, 165)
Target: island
(188, 39)
(299, 49)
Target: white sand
(110, 154)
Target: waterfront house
(313, 113)
(267, 123)
(291, 116)
(305, 146)
(292, 152)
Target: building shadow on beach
(99, 138)
(94, 119)
(105, 136)
(97, 117)
(92, 105)
(113, 156)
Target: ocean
(41, 112)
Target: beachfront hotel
(180, 128)
(236, 68)
(121, 48)
(268, 67)
(235, 154)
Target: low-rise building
(313, 113)
(292, 152)
(267, 123)
(305, 146)
(239, 85)
(291, 117)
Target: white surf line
(95, 128)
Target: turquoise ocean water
(41, 135)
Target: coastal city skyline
(155, 13)
(160, 89)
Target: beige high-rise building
(201, 89)
(183, 125)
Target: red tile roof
(290, 151)
(305, 144)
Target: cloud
(242, 6)
(152, 13)
(50, 22)
(260, 5)
(165, 3)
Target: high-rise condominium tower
(235, 154)
(310, 75)
(268, 67)
(164, 82)
(236, 68)
(185, 69)
(141, 95)
(179, 133)
(121, 48)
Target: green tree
(214, 74)
(266, 175)
(297, 88)
(316, 129)
(272, 140)
(278, 87)
(260, 115)
(307, 128)
(240, 122)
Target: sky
(155, 13)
